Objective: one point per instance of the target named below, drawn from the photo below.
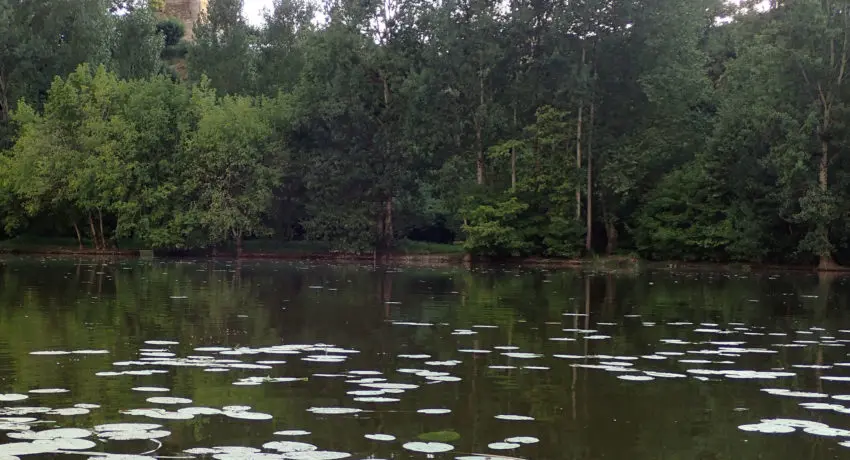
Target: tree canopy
(669, 129)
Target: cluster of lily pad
(714, 356)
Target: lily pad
(376, 399)
(292, 433)
(522, 440)
(316, 455)
(333, 410)
(428, 447)
(199, 411)
(69, 411)
(26, 448)
(161, 342)
(245, 415)
(289, 446)
(636, 378)
(126, 427)
(380, 437)
(434, 411)
(134, 435)
(517, 418)
(772, 428)
(69, 444)
(503, 445)
(48, 391)
(253, 456)
(11, 397)
(168, 400)
(520, 355)
(151, 389)
(64, 433)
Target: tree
(40, 40)
(232, 171)
(223, 49)
(138, 46)
(281, 57)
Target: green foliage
(497, 229)
(682, 220)
(232, 171)
(223, 49)
(136, 53)
(172, 29)
(545, 128)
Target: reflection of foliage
(116, 305)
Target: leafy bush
(495, 229)
(682, 220)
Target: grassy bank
(406, 252)
(252, 249)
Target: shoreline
(441, 259)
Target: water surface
(495, 363)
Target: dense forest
(667, 129)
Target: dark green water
(704, 325)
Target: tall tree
(223, 49)
(40, 40)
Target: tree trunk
(513, 156)
(4, 99)
(588, 242)
(578, 142)
(102, 235)
(237, 235)
(79, 237)
(578, 160)
(826, 262)
(479, 141)
(479, 161)
(513, 169)
(610, 229)
(611, 233)
(94, 239)
(388, 223)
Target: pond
(128, 359)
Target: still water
(275, 360)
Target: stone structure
(187, 11)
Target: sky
(253, 10)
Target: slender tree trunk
(102, 235)
(611, 232)
(513, 169)
(388, 223)
(578, 142)
(479, 141)
(379, 237)
(513, 157)
(588, 242)
(387, 230)
(4, 98)
(479, 161)
(826, 262)
(237, 235)
(79, 236)
(578, 160)
(94, 239)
